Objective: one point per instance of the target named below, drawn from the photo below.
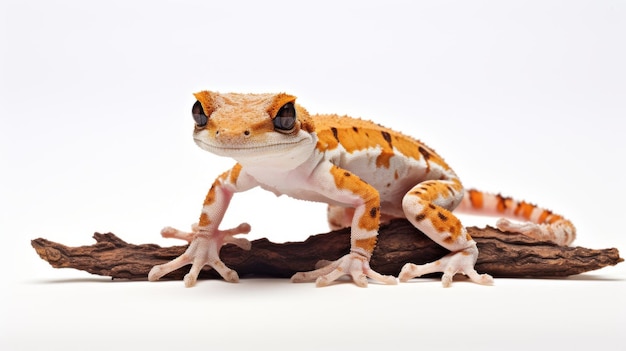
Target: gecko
(366, 173)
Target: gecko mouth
(224, 149)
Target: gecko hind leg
(353, 264)
(427, 206)
(455, 262)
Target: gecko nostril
(246, 133)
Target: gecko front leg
(203, 250)
(349, 188)
(205, 239)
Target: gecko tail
(534, 221)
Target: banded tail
(536, 222)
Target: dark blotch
(387, 137)
(335, 134)
(373, 212)
(420, 217)
(502, 200)
(424, 153)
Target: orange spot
(556, 218)
(351, 182)
(476, 198)
(525, 208)
(210, 196)
(503, 203)
(508, 202)
(544, 215)
(231, 175)
(222, 177)
(204, 220)
(501, 206)
(326, 140)
(234, 173)
(366, 244)
(383, 160)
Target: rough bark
(501, 255)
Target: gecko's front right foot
(203, 250)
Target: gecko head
(268, 129)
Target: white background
(526, 98)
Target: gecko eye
(285, 119)
(198, 115)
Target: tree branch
(501, 255)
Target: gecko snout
(231, 136)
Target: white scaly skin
(365, 172)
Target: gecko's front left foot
(203, 250)
(353, 264)
(456, 262)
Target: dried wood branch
(501, 255)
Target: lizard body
(365, 172)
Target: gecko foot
(353, 264)
(456, 262)
(203, 250)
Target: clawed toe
(203, 250)
(353, 265)
(457, 262)
(190, 280)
